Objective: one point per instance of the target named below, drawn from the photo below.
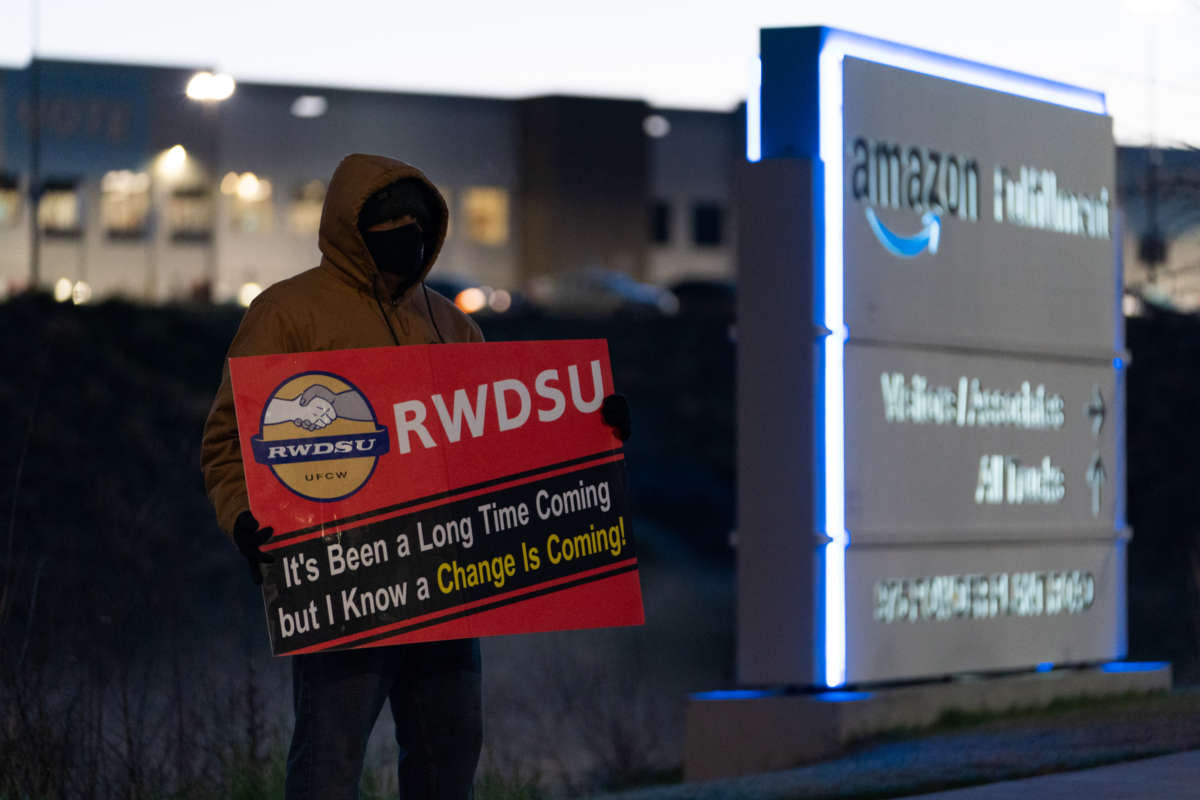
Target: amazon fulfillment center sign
(931, 377)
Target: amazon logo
(932, 184)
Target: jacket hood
(355, 179)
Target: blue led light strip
(754, 113)
(830, 72)
(835, 47)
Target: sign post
(436, 492)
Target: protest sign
(436, 492)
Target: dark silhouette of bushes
(133, 662)
(1163, 432)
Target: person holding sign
(381, 229)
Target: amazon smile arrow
(907, 246)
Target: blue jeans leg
(337, 697)
(435, 694)
(436, 705)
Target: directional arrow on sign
(1095, 410)
(1095, 479)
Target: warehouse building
(152, 192)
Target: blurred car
(706, 297)
(602, 292)
(473, 298)
(448, 284)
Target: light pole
(35, 149)
(1152, 243)
(210, 90)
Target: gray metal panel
(997, 284)
(776, 605)
(945, 445)
(1020, 305)
(981, 629)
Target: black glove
(249, 538)
(615, 413)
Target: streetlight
(207, 87)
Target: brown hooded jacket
(340, 304)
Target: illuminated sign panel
(960, 502)
(932, 609)
(955, 446)
(1024, 262)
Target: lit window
(707, 223)
(229, 184)
(660, 222)
(58, 210)
(304, 214)
(10, 200)
(253, 210)
(486, 212)
(190, 214)
(125, 204)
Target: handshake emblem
(320, 437)
(317, 407)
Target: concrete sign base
(727, 734)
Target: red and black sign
(436, 492)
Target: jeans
(434, 691)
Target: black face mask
(400, 252)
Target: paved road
(1059, 747)
(1172, 777)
